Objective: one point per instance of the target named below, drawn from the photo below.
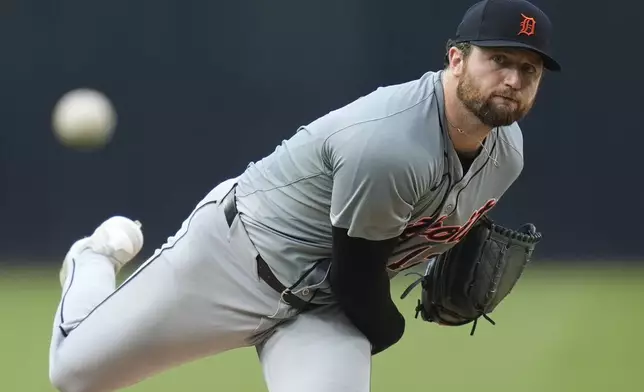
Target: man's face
(499, 86)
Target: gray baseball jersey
(382, 166)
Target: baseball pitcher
(294, 256)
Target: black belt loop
(230, 207)
(263, 270)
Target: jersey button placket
(450, 202)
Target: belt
(263, 270)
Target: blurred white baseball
(84, 119)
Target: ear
(456, 61)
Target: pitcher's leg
(330, 355)
(190, 300)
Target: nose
(513, 79)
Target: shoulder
(405, 100)
(413, 91)
(391, 118)
(510, 145)
(513, 135)
(405, 104)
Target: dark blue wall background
(202, 88)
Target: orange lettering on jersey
(528, 25)
(434, 233)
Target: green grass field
(580, 329)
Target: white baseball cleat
(118, 238)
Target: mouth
(507, 98)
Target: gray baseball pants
(197, 296)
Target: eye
(499, 59)
(529, 68)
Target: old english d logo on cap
(528, 25)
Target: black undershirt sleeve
(361, 284)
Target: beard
(485, 109)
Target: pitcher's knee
(66, 376)
(60, 378)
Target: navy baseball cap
(509, 24)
